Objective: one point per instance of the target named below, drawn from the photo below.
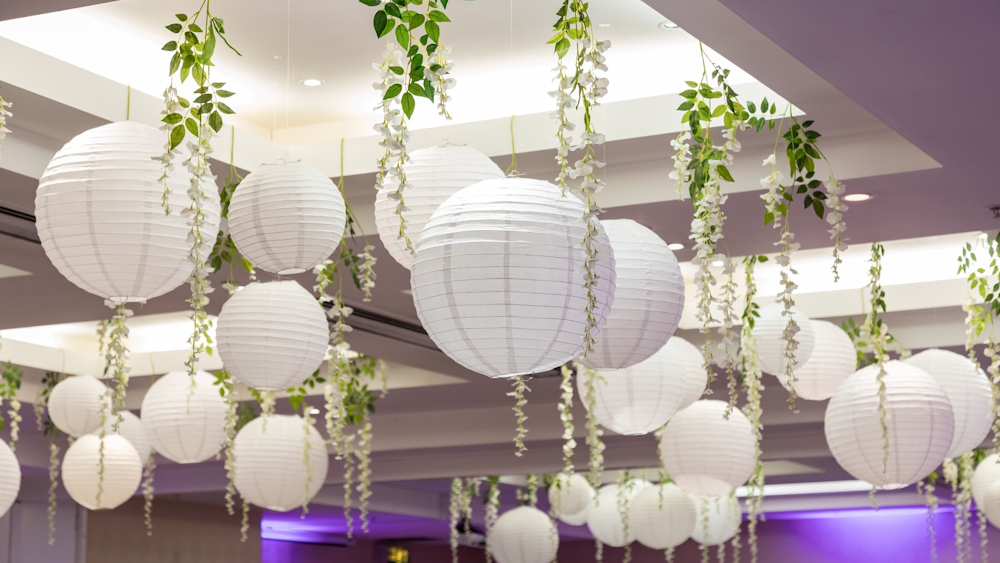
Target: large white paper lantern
(272, 336)
(696, 378)
(433, 175)
(524, 535)
(705, 453)
(986, 473)
(769, 329)
(81, 471)
(571, 498)
(833, 360)
(498, 280)
(185, 425)
(649, 298)
(99, 215)
(10, 478)
(286, 218)
(132, 430)
(991, 504)
(639, 399)
(271, 470)
(718, 520)
(662, 517)
(918, 415)
(969, 392)
(75, 405)
(604, 519)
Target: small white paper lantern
(99, 214)
(833, 360)
(696, 378)
(649, 298)
(433, 176)
(498, 280)
(722, 522)
(272, 336)
(132, 430)
(81, 471)
(571, 498)
(639, 399)
(604, 519)
(986, 473)
(662, 517)
(271, 468)
(969, 392)
(918, 415)
(286, 218)
(75, 405)
(10, 478)
(706, 454)
(769, 329)
(991, 504)
(524, 535)
(185, 425)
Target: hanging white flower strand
(594, 432)
(958, 474)
(492, 511)
(878, 334)
(454, 512)
(11, 384)
(54, 461)
(4, 115)
(566, 415)
(116, 358)
(148, 493)
(729, 340)
(394, 133)
(787, 299)
(754, 411)
(926, 489)
(520, 400)
(624, 492)
(563, 95)
(835, 218)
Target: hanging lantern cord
(128, 102)
(512, 169)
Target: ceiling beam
(11, 9)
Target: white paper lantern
(696, 378)
(286, 218)
(272, 336)
(918, 415)
(571, 497)
(10, 478)
(771, 346)
(604, 519)
(662, 517)
(991, 504)
(986, 473)
(99, 216)
(271, 470)
(185, 425)
(81, 471)
(433, 175)
(705, 453)
(498, 280)
(639, 399)
(833, 360)
(75, 405)
(969, 392)
(524, 535)
(132, 430)
(722, 522)
(649, 298)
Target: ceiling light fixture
(667, 24)
(675, 246)
(857, 197)
(312, 82)
(718, 263)
(314, 410)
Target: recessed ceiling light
(857, 197)
(667, 24)
(718, 263)
(675, 246)
(314, 410)
(312, 82)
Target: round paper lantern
(987, 473)
(81, 471)
(662, 517)
(769, 329)
(99, 215)
(721, 523)
(433, 175)
(705, 453)
(10, 478)
(498, 280)
(270, 462)
(570, 498)
(286, 218)
(639, 399)
(524, 535)
(991, 504)
(132, 430)
(649, 298)
(833, 360)
(969, 392)
(185, 425)
(75, 405)
(272, 336)
(604, 520)
(696, 378)
(918, 415)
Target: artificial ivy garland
(10, 383)
(878, 333)
(520, 400)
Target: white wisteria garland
(566, 416)
(520, 401)
(394, 133)
(5, 114)
(754, 411)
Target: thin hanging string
(340, 183)
(512, 169)
(128, 102)
(288, 61)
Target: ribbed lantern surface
(986, 473)
(81, 471)
(132, 430)
(571, 498)
(604, 520)
(662, 517)
(185, 424)
(10, 478)
(524, 535)
(75, 404)
(696, 378)
(770, 328)
(718, 520)
(832, 360)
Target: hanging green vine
(148, 493)
(49, 430)
(117, 357)
(492, 502)
(566, 416)
(877, 332)
(224, 251)
(520, 401)
(594, 432)
(10, 384)
(752, 374)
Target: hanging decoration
(752, 372)
(832, 360)
(926, 488)
(704, 452)
(566, 416)
(523, 535)
(492, 502)
(468, 297)
(10, 477)
(607, 518)
(696, 379)
(184, 417)
(772, 329)
(571, 497)
(101, 473)
(5, 114)
(130, 428)
(520, 401)
(225, 249)
(75, 404)
(729, 345)
(588, 395)
(718, 521)
(958, 474)
(662, 517)
(44, 419)
(10, 384)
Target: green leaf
(181, 17)
(175, 28)
(408, 104)
(393, 91)
(416, 20)
(691, 83)
(417, 90)
(396, 69)
(198, 73)
(402, 37)
(204, 98)
(724, 173)
(192, 126)
(225, 93)
(209, 49)
(381, 21)
(195, 28)
(171, 46)
(215, 121)
(438, 16)
(391, 24)
(751, 107)
(689, 94)
(393, 10)
(685, 106)
(719, 111)
(562, 47)
(173, 118)
(175, 63)
(225, 109)
(176, 136)
(371, 2)
(433, 31)
(818, 208)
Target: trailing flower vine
(5, 114)
(10, 384)
(754, 411)
(566, 416)
(454, 512)
(594, 432)
(492, 510)
(520, 400)
(625, 486)
(116, 358)
(728, 333)
(927, 488)
(958, 474)
(49, 430)
(878, 333)
(148, 493)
